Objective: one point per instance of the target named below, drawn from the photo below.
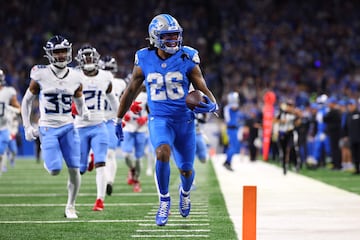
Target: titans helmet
(88, 58)
(165, 24)
(108, 63)
(58, 50)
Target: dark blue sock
(163, 176)
(187, 181)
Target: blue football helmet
(55, 45)
(165, 24)
(88, 58)
(2, 77)
(108, 63)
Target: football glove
(135, 107)
(31, 133)
(127, 117)
(118, 129)
(141, 120)
(207, 106)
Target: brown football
(194, 98)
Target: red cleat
(130, 177)
(137, 186)
(99, 205)
(91, 163)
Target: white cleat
(70, 212)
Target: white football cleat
(70, 212)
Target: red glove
(73, 109)
(141, 120)
(123, 123)
(127, 117)
(135, 107)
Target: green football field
(32, 207)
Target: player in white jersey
(57, 86)
(109, 63)
(8, 100)
(13, 115)
(97, 87)
(135, 137)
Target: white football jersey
(132, 125)
(55, 95)
(6, 93)
(118, 87)
(94, 90)
(13, 122)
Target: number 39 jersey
(55, 95)
(166, 80)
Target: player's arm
(131, 91)
(114, 103)
(14, 105)
(26, 104)
(198, 81)
(79, 101)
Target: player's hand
(86, 115)
(31, 133)
(141, 120)
(135, 107)
(118, 129)
(207, 106)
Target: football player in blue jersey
(167, 68)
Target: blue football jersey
(166, 80)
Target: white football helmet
(2, 77)
(233, 99)
(165, 24)
(54, 46)
(321, 99)
(88, 58)
(108, 63)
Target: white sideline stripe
(80, 205)
(141, 221)
(173, 230)
(170, 236)
(80, 194)
(71, 221)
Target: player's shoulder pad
(36, 68)
(141, 53)
(191, 53)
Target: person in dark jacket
(333, 130)
(352, 130)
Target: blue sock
(163, 176)
(187, 181)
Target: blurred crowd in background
(297, 49)
(291, 47)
